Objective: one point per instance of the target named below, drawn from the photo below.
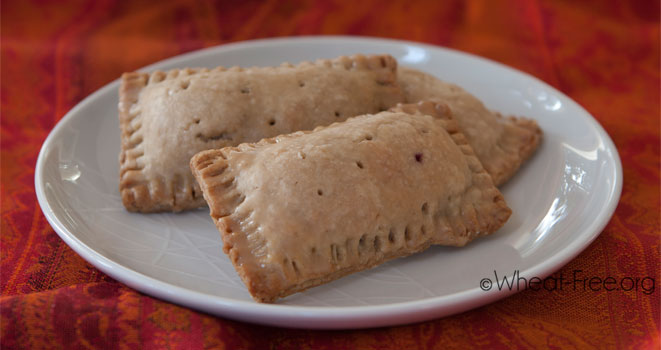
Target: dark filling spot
(320, 192)
(360, 164)
(272, 122)
(216, 137)
(418, 157)
(337, 114)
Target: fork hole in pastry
(377, 243)
(295, 267)
(391, 237)
(196, 120)
(320, 192)
(337, 114)
(336, 254)
(423, 230)
(382, 108)
(407, 234)
(425, 208)
(272, 122)
(301, 83)
(313, 250)
(245, 90)
(361, 243)
(359, 164)
(368, 137)
(418, 157)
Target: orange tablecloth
(605, 55)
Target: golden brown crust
(133, 184)
(519, 141)
(299, 210)
(167, 117)
(501, 144)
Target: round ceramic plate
(561, 200)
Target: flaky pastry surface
(299, 210)
(166, 118)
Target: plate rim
(321, 317)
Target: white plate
(561, 199)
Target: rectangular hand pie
(300, 210)
(166, 118)
(501, 144)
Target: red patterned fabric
(603, 54)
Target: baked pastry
(501, 143)
(166, 118)
(300, 210)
